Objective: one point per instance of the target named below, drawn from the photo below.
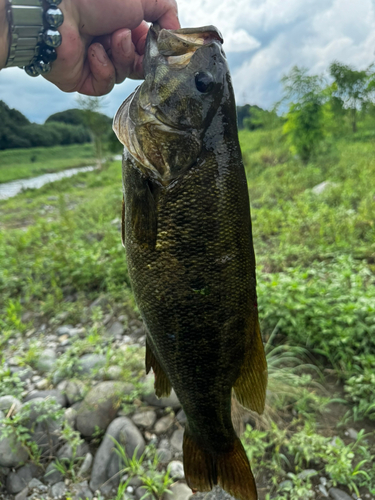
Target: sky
(263, 40)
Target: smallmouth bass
(187, 235)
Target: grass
(26, 163)
(316, 276)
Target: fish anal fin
(250, 387)
(230, 470)
(162, 385)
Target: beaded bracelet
(34, 36)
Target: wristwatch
(26, 28)
(33, 34)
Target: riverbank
(64, 287)
(32, 162)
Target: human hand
(103, 42)
(4, 42)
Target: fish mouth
(178, 46)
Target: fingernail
(126, 41)
(101, 54)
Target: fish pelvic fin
(162, 385)
(250, 387)
(230, 470)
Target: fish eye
(204, 82)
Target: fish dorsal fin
(250, 387)
(162, 385)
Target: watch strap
(26, 29)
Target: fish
(188, 241)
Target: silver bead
(32, 70)
(54, 17)
(52, 38)
(42, 67)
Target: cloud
(263, 39)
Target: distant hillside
(252, 117)
(76, 117)
(16, 131)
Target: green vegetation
(314, 234)
(26, 163)
(17, 132)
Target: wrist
(4, 33)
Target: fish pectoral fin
(141, 204)
(162, 385)
(250, 387)
(229, 469)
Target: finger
(102, 75)
(101, 20)
(123, 54)
(166, 15)
(139, 35)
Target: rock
(45, 433)
(176, 470)
(64, 330)
(12, 453)
(307, 473)
(337, 494)
(53, 475)
(90, 363)
(106, 462)
(169, 402)
(70, 416)
(150, 397)
(18, 480)
(82, 491)
(100, 406)
(144, 419)
(216, 493)
(42, 384)
(55, 394)
(86, 465)
(22, 495)
(323, 490)
(116, 330)
(23, 372)
(164, 455)
(46, 361)
(320, 188)
(6, 403)
(99, 302)
(2, 415)
(75, 391)
(179, 491)
(35, 484)
(58, 490)
(66, 451)
(113, 373)
(177, 438)
(352, 433)
(181, 417)
(163, 424)
(286, 485)
(140, 492)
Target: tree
(304, 125)
(353, 89)
(98, 123)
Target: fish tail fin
(230, 469)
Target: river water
(9, 189)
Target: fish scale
(187, 235)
